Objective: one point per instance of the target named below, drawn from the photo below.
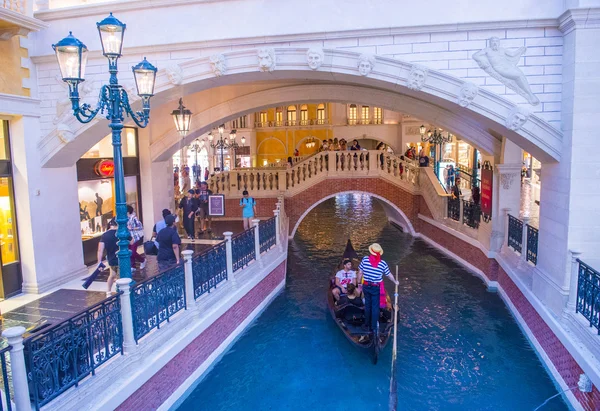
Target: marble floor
(529, 207)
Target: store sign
(105, 168)
(216, 205)
(487, 176)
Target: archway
(436, 101)
(393, 212)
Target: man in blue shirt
(168, 245)
(371, 270)
(248, 209)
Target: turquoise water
(458, 349)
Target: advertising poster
(486, 190)
(216, 205)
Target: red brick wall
(462, 249)
(411, 205)
(555, 350)
(164, 383)
(264, 207)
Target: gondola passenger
(372, 268)
(352, 296)
(342, 278)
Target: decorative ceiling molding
(17, 24)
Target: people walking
(371, 270)
(109, 243)
(168, 245)
(189, 206)
(205, 218)
(136, 230)
(248, 205)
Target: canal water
(459, 347)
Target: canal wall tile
(165, 382)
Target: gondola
(350, 317)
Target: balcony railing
(588, 294)
(471, 214)
(523, 238)
(19, 6)
(291, 123)
(243, 249)
(532, 244)
(454, 209)
(515, 233)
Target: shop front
(11, 277)
(96, 188)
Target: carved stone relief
(413, 130)
(501, 64)
(366, 64)
(467, 93)
(175, 74)
(315, 58)
(64, 133)
(417, 77)
(267, 60)
(506, 180)
(218, 64)
(516, 118)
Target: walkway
(529, 207)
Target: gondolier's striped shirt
(373, 274)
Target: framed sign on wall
(216, 205)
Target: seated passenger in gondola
(342, 278)
(352, 296)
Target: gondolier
(371, 270)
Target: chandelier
(310, 142)
(435, 137)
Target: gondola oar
(393, 386)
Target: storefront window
(104, 149)
(8, 227)
(4, 151)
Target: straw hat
(375, 249)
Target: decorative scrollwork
(242, 248)
(266, 233)
(209, 269)
(515, 233)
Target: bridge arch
(434, 102)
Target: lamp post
(113, 103)
(437, 139)
(222, 144)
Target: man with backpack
(248, 209)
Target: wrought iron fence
(515, 233)
(156, 300)
(58, 357)
(266, 233)
(209, 269)
(471, 214)
(454, 208)
(532, 244)
(5, 362)
(242, 248)
(588, 294)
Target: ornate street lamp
(437, 139)
(182, 118)
(222, 144)
(113, 103)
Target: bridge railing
(588, 292)
(269, 182)
(523, 239)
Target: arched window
(279, 117)
(377, 115)
(291, 116)
(365, 114)
(321, 114)
(304, 115)
(352, 114)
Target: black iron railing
(209, 269)
(588, 294)
(515, 233)
(5, 361)
(242, 249)
(59, 357)
(266, 233)
(471, 214)
(155, 300)
(454, 208)
(532, 244)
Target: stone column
(189, 278)
(229, 256)
(573, 282)
(523, 261)
(256, 223)
(14, 337)
(123, 285)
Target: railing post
(124, 285)
(331, 162)
(277, 238)
(229, 256)
(14, 336)
(523, 260)
(505, 213)
(573, 283)
(373, 162)
(256, 223)
(461, 209)
(189, 278)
